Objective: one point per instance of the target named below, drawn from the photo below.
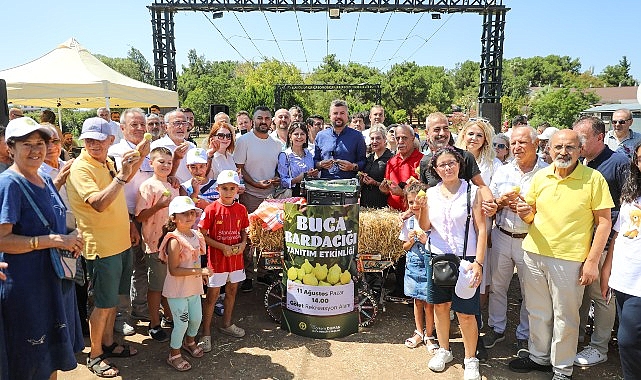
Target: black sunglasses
(224, 136)
(620, 122)
(500, 145)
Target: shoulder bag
(445, 268)
(66, 266)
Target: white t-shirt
(626, 257)
(116, 131)
(145, 172)
(182, 172)
(260, 159)
(220, 162)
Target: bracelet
(478, 263)
(33, 242)
(120, 181)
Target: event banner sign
(321, 243)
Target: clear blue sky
(599, 33)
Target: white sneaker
(471, 369)
(122, 327)
(589, 356)
(440, 358)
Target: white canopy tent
(71, 77)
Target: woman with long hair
(221, 143)
(296, 161)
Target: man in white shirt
(175, 141)
(256, 155)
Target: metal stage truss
(280, 89)
(492, 37)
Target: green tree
(619, 74)
(561, 106)
(135, 66)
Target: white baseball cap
(463, 287)
(196, 156)
(182, 204)
(228, 176)
(96, 128)
(547, 133)
(23, 126)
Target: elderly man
(105, 113)
(296, 113)
(282, 119)
(133, 128)
(256, 155)
(97, 200)
(508, 182)
(401, 167)
(175, 141)
(621, 138)
(614, 168)
(340, 151)
(565, 204)
(155, 126)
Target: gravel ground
(377, 352)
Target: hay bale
(378, 233)
(263, 238)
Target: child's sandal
(179, 363)
(195, 350)
(413, 342)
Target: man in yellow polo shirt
(566, 203)
(97, 200)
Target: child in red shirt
(223, 225)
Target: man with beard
(155, 126)
(566, 203)
(282, 119)
(256, 155)
(177, 126)
(340, 151)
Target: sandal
(125, 353)
(195, 350)
(98, 366)
(430, 344)
(413, 342)
(205, 343)
(232, 330)
(181, 365)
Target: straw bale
(378, 233)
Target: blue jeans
(187, 313)
(629, 335)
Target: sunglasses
(620, 122)
(224, 136)
(499, 145)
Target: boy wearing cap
(199, 188)
(151, 210)
(223, 224)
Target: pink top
(190, 251)
(151, 190)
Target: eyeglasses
(620, 122)
(177, 123)
(499, 145)
(568, 148)
(449, 164)
(224, 136)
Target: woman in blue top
(38, 313)
(296, 160)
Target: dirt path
(268, 352)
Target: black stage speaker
(214, 109)
(492, 112)
(4, 109)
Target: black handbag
(445, 268)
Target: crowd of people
(159, 222)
